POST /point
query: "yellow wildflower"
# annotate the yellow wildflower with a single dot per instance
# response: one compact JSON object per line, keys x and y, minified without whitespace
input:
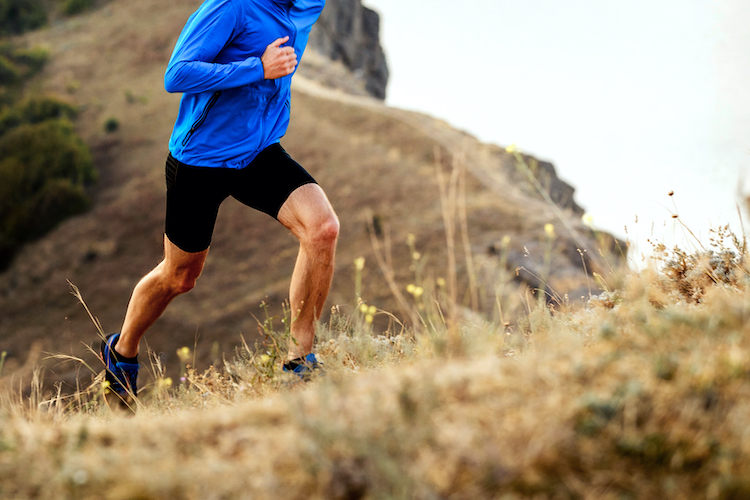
{"x":184,"y":354}
{"x":359,"y":263}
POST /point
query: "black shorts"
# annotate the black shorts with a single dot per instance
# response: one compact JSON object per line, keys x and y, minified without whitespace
{"x":195,"y":193}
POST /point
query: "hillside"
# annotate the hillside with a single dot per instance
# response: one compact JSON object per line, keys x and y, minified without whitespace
{"x":642,"y":394}
{"x":376,"y":163}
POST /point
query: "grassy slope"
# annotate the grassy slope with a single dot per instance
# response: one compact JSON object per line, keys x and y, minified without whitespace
{"x":371,"y":159}
{"x":642,"y":397}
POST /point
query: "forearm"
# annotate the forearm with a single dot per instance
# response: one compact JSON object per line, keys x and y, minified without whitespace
{"x":199,"y":76}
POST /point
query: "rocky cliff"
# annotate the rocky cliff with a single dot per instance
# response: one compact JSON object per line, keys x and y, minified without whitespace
{"x":349,"y":32}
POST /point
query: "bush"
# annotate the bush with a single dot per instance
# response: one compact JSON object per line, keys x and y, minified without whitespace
{"x":32,"y":59}
{"x":39,"y":109}
{"x":43,"y":171}
{"x":35,"y":110}
{"x":16,"y":66}
{"x":20,"y":16}
{"x":111,"y":125}
{"x":10,"y":74}
{"x":73,"y":7}
{"x":44,"y":165}
{"x":57,"y":200}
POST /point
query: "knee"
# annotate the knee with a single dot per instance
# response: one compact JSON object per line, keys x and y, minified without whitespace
{"x":326,"y":232}
{"x":180,"y":283}
{"x":184,"y":285}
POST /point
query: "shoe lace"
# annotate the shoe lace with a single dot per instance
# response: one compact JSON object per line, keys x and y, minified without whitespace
{"x":128,"y":372}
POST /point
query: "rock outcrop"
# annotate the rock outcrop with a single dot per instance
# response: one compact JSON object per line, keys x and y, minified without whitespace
{"x":349,"y":32}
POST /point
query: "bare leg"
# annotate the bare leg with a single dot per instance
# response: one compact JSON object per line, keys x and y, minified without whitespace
{"x":175,"y":275}
{"x":309,"y":216}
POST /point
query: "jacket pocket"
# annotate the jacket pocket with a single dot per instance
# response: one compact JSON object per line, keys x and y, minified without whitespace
{"x":210,"y":104}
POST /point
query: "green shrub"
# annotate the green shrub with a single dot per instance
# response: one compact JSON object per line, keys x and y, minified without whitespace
{"x":16,"y":66}
{"x":35,"y":110}
{"x":73,"y":7}
{"x":9,"y":118}
{"x":10,"y":74}
{"x":111,"y":125}
{"x":32,"y":59}
{"x":55,"y":201}
{"x":43,"y":170}
{"x":39,"y":109}
{"x":44,"y":165}
{"x":20,"y":16}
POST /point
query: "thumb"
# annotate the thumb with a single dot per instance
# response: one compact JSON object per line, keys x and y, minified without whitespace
{"x":279,"y":41}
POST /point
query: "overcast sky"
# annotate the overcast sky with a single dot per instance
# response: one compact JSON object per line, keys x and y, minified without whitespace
{"x":629,"y":100}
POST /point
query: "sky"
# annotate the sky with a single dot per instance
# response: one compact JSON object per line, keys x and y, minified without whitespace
{"x":629,"y":100}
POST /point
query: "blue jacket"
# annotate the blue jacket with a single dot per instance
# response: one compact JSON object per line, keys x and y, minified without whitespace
{"x":229,"y":112}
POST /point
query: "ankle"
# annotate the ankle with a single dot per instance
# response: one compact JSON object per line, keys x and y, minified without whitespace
{"x":125,"y":351}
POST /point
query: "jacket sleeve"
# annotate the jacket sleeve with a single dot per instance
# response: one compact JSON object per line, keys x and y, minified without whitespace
{"x":191,"y":68}
{"x":306,"y":13}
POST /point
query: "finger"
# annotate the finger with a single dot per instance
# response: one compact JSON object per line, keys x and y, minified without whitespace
{"x":279,"y":41}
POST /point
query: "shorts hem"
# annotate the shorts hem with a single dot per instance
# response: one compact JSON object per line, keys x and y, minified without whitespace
{"x":306,"y":182}
{"x":187,"y":248}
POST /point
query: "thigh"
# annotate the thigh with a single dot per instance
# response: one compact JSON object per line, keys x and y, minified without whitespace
{"x":194,"y":195}
{"x":307,"y":210}
{"x":266,"y":183}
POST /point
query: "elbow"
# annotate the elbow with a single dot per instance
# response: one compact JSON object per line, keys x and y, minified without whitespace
{"x":171,"y":80}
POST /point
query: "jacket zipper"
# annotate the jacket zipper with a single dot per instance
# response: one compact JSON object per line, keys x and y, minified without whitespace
{"x":293,"y":40}
{"x":202,"y":117}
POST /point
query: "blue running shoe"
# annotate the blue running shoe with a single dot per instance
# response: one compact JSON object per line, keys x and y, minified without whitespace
{"x":304,"y":367}
{"x":121,"y":375}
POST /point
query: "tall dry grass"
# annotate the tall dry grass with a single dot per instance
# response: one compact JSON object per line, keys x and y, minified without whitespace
{"x":643,"y":392}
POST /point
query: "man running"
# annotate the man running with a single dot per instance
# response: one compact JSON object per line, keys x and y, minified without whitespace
{"x":234,"y":62}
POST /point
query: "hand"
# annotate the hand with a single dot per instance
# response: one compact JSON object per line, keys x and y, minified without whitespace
{"x":278,"y":61}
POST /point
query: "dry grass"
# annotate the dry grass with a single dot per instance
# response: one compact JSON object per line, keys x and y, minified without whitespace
{"x":642,"y":393}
